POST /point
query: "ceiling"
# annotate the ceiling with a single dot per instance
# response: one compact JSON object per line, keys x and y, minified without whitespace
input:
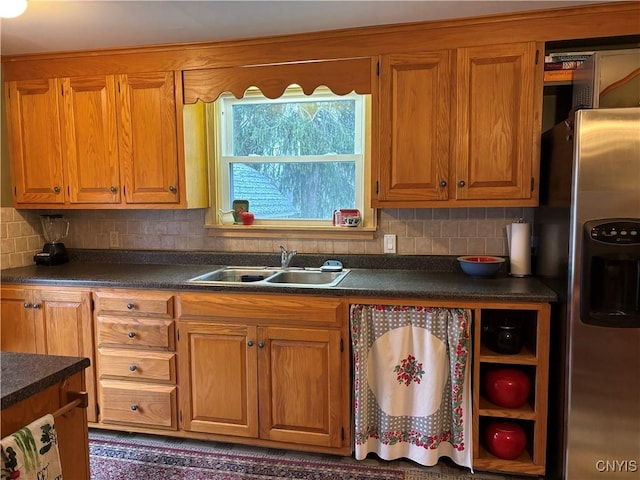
{"x":64,"y":25}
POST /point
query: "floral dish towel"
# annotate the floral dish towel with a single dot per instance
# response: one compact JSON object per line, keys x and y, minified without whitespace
{"x":412,"y":395}
{"x":32,"y":452}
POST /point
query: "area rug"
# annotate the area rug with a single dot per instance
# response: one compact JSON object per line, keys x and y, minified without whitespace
{"x":121,"y":456}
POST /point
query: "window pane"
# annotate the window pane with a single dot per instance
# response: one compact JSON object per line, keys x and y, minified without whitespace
{"x":295,"y":190}
{"x":295,"y":128}
{"x":296,"y":157}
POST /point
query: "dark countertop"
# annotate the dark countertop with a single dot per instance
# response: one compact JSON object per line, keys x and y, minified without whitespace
{"x":25,"y":374}
{"x":371,"y":275}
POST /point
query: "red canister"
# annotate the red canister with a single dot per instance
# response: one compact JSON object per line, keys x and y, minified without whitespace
{"x":505,"y":440}
{"x":507,"y":387}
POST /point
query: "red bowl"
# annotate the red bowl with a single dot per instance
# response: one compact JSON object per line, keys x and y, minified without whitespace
{"x":507,"y":387}
{"x":505,"y":440}
{"x":481,"y":266}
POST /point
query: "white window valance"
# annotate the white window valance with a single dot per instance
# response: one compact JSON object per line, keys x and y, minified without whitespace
{"x":340,"y":76}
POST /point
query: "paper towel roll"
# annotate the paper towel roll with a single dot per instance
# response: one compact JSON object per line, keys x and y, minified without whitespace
{"x":520,"y":249}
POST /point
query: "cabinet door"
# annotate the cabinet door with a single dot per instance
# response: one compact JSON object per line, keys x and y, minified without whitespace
{"x":414,"y":127}
{"x":18,"y":322}
{"x":494,"y":136}
{"x":148,"y":137}
{"x":218,"y":378}
{"x":89,"y":130}
{"x":34,"y":141}
{"x":67,"y":324}
{"x":300,"y":386}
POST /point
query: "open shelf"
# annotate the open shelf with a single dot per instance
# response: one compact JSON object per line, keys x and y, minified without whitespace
{"x":488,"y":409}
{"x":533,"y":359}
{"x":523,"y":464}
{"x":525,"y":357}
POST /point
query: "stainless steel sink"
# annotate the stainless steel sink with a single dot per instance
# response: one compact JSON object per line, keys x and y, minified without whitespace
{"x":235,"y":275}
{"x":307,"y":277}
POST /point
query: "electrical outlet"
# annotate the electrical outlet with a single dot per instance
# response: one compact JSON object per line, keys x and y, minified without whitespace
{"x":389,"y":244}
{"x":114,"y":241}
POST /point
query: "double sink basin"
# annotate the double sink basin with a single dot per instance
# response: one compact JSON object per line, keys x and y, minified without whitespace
{"x":288,"y":277}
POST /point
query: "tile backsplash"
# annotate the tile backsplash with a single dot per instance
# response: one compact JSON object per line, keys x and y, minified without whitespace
{"x":20,"y":237}
{"x":438,"y":231}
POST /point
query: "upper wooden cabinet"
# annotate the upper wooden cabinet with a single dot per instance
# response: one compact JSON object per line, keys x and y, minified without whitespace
{"x":148,"y":142}
{"x":495,"y":139}
{"x":102,"y":141}
{"x":466,"y":138}
{"x":34,"y":142}
{"x":88,"y":118}
{"x":415,"y":104}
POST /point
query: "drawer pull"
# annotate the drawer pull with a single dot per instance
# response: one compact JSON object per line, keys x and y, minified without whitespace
{"x":130,"y":306}
{"x":133,"y":368}
{"x":131,"y":334}
{"x":134,"y":407}
{"x":260,"y":344}
{"x":36,"y":305}
{"x":250,"y":343}
{"x":27,"y":305}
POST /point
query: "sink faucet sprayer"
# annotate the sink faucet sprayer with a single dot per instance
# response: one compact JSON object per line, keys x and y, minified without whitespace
{"x":286,"y":256}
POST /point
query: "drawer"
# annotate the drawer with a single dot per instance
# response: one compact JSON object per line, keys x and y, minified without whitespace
{"x":138,"y":403}
{"x":133,"y":303}
{"x":135,"y":332}
{"x":137,"y":365}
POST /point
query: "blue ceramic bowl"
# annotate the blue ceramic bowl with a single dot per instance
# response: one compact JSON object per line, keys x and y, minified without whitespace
{"x":481,"y":266}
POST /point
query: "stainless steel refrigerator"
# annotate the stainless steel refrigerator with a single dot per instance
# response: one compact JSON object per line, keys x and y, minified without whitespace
{"x":600,"y":435}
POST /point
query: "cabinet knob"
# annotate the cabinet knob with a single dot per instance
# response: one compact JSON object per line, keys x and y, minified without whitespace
{"x":250,"y":343}
{"x":36,"y":305}
{"x":133,"y":368}
{"x":56,"y":189}
{"x":443,"y":183}
{"x":260,"y":344}
{"x":131,"y":334}
{"x":130,"y":306}
{"x":172,"y":189}
{"x":27,"y":305}
{"x":134,"y":407}
{"x":461,"y":183}
{"x":113,"y":189}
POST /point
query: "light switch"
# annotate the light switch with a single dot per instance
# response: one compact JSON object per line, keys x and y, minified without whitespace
{"x":389,"y":244}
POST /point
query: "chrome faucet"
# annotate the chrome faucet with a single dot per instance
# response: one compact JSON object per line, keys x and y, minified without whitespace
{"x":286,"y":256}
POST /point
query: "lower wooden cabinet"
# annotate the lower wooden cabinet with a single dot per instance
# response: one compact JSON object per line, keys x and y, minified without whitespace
{"x":219,"y":378}
{"x":49,"y":320}
{"x":279,"y":373}
{"x":136,"y":359}
{"x":263,"y":369}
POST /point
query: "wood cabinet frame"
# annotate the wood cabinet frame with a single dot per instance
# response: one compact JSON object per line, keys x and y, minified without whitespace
{"x":586,"y":21}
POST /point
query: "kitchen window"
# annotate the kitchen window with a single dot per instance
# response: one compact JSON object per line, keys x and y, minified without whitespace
{"x":295,"y":158}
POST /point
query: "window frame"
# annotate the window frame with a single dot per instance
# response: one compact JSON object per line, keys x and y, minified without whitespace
{"x":217,"y":162}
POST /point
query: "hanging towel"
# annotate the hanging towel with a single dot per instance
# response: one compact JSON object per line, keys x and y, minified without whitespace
{"x":412,"y":396}
{"x":32,"y":452}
